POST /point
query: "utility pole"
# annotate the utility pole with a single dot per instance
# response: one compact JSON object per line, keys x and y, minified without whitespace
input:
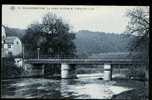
{"x":58,"y":53}
{"x":23,"y":52}
{"x":38,"y":53}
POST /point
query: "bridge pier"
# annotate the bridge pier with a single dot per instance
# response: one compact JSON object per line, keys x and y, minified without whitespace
{"x":107,"y":72}
{"x":67,"y":71}
{"x":43,"y":69}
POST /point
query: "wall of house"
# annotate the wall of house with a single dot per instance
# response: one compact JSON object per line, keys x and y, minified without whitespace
{"x":17,"y":47}
{"x":14,"y":50}
{"x":3,"y":34}
{"x":3,"y":48}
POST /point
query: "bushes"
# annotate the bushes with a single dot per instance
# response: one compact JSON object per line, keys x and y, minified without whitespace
{"x":9,"y":69}
{"x":136,"y":72}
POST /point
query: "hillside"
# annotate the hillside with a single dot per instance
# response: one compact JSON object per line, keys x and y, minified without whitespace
{"x":89,"y":43}
{"x":15,"y":32}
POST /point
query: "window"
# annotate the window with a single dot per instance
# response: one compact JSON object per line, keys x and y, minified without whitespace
{"x":10,"y":53}
{"x":9,"y":45}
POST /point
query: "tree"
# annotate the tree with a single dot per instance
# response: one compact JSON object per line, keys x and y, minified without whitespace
{"x":52,"y":36}
{"x":139,"y":26}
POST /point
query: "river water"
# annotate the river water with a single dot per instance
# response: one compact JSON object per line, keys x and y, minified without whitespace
{"x":82,"y":88}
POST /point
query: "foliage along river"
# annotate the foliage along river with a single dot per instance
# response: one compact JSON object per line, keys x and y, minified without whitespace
{"x":82,"y":88}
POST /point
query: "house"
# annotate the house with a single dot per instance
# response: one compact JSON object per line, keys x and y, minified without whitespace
{"x":14,"y":45}
{"x":19,"y":62}
{"x":3,"y":34}
{"x":11,"y":45}
{"x":3,"y":45}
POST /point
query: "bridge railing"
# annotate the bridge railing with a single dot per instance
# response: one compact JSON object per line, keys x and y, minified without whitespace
{"x":35,"y":56}
{"x":83,"y":61}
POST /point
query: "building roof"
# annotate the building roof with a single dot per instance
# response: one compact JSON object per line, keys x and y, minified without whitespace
{"x":10,"y":39}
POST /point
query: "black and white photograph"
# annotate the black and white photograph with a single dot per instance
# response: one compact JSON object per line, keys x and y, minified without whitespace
{"x":75,"y":52}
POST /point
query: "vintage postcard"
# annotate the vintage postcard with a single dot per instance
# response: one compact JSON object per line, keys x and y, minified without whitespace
{"x":75,"y":52}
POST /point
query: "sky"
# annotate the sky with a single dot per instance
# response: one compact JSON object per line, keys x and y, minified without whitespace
{"x":93,"y":18}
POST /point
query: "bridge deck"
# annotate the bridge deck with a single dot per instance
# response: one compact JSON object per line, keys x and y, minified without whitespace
{"x":83,"y":61}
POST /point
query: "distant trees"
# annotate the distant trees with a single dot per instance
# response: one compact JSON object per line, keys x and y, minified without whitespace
{"x":52,"y":36}
{"x":139,"y":25}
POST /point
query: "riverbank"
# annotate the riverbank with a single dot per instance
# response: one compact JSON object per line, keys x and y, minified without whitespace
{"x":136,"y":94}
{"x":139,"y":91}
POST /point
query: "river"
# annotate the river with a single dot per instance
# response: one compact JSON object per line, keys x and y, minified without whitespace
{"x":82,"y":88}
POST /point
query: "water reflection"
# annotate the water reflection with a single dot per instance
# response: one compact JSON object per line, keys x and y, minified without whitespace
{"x":69,"y":88}
{"x":82,"y":88}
